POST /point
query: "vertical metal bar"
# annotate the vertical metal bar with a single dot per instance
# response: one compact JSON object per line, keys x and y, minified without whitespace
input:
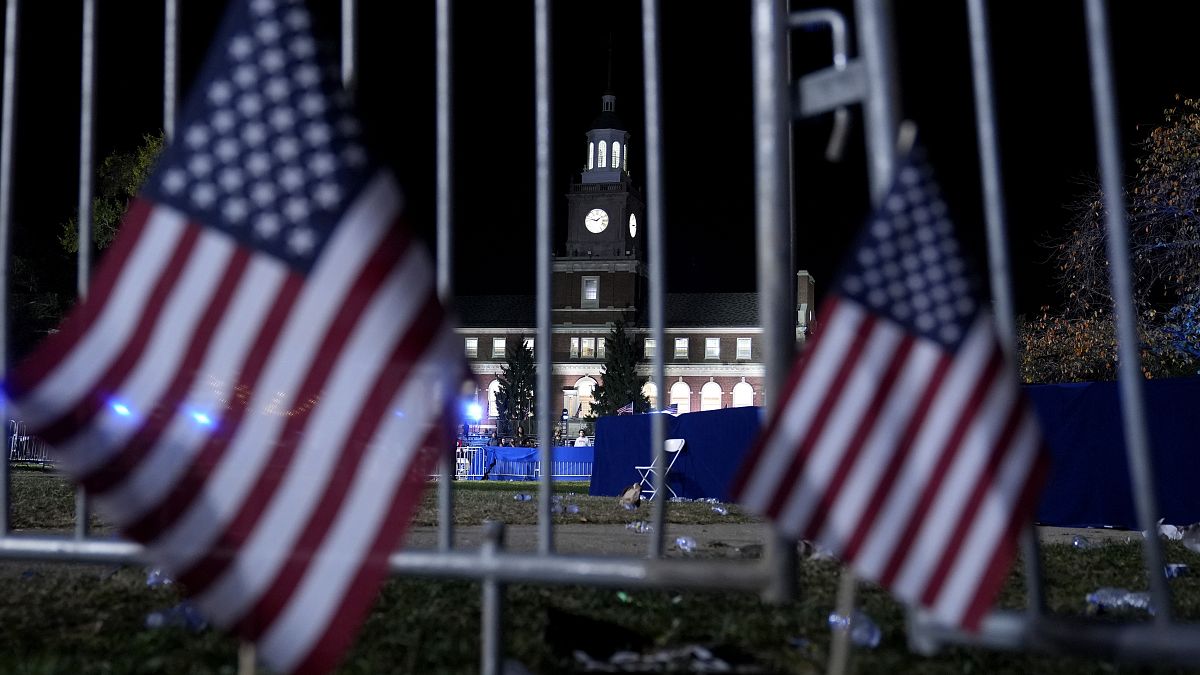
{"x":656,"y":240}
{"x":7,"y":116}
{"x":545,"y":252}
{"x":349,"y":44}
{"x":880,"y":109}
{"x":1129,"y":375}
{"x":87,"y":90}
{"x":491,"y":652}
{"x":785,"y":28}
{"x":772,"y":120}
{"x":445,"y":224}
{"x":170,"y":66}
{"x":998,"y":259}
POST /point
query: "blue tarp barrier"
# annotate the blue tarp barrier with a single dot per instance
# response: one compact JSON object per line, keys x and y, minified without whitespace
{"x":1088,"y":484}
{"x":567,"y":463}
{"x":716,"y":440}
{"x":1089,"y":479}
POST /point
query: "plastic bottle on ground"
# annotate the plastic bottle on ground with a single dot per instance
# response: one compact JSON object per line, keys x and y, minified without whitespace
{"x":863,"y":631}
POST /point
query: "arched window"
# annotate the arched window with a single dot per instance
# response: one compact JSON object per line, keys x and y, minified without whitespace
{"x":600,"y":155}
{"x":616,"y":154}
{"x":710,"y":396}
{"x":681,"y":395}
{"x":651,"y":393}
{"x":591,"y":154}
{"x":584,"y":386}
{"x":493,"y":388}
{"x":626,"y":149}
{"x":743,"y":394}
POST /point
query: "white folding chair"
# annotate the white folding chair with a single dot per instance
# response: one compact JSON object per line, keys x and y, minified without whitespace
{"x":462,"y":462}
{"x":673,"y":447}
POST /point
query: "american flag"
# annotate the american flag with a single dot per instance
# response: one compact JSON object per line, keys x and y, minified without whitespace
{"x":626,"y":409}
{"x":672,"y":409}
{"x":902,"y":442}
{"x":246,"y":390}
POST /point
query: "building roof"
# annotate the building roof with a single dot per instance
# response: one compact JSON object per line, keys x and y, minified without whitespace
{"x":495,"y":311}
{"x":711,"y":309}
{"x":684,"y":310}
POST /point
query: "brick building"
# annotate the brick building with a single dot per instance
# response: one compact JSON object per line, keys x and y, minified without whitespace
{"x":713,"y":358}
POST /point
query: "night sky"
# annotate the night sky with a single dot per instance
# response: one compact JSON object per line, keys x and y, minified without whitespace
{"x":1040,"y":68}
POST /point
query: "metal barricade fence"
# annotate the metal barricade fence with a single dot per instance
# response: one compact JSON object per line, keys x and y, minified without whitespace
{"x":26,"y":449}
{"x":870,"y":80}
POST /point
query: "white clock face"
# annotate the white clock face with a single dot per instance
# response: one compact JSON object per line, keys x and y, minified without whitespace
{"x":596,"y":220}
{"x":632,"y":225}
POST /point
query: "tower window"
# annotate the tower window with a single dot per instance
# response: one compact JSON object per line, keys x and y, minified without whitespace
{"x":600,"y":158}
{"x":587,"y":348}
{"x":743,"y":348}
{"x":712,"y":348}
{"x":616,"y":154}
{"x":599,"y":348}
{"x":472,"y":347}
{"x":574,"y":347}
{"x":591,"y":292}
{"x":591,"y":154}
{"x":681,"y":348}
{"x":648,"y":348}
{"x":497,"y":348}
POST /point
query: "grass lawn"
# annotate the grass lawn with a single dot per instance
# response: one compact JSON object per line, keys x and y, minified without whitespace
{"x":59,"y":618}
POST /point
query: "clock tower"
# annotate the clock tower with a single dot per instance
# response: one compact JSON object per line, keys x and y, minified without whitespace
{"x":600,"y":275}
{"x":605,"y":212}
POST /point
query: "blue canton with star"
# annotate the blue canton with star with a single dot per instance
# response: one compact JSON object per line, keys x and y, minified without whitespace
{"x":906,"y":265}
{"x":268,"y":148}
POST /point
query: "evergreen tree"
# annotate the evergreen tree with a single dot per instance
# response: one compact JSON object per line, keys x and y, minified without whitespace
{"x":118,"y":179}
{"x":514,"y":398}
{"x":621,"y":381}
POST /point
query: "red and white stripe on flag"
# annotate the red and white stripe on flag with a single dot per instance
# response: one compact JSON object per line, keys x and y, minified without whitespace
{"x":914,"y":459}
{"x":257,"y":384}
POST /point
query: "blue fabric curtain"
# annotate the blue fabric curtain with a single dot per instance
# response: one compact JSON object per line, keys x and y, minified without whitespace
{"x":715,"y":442}
{"x":1089,"y":479}
{"x":1088,"y":484}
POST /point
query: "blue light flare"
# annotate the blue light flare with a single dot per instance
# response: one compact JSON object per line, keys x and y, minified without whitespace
{"x":202,"y":418}
{"x":120,"y":408}
{"x":474,"y":411}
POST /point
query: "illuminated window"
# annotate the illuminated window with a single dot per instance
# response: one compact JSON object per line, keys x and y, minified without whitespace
{"x":472,"y":347}
{"x":651,"y":393}
{"x":574,"y":348}
{"x":591,"y":154}
{"x":600,"y":155}
{"x":681,"y":345}
{"x":588,"y":349}
{"x":599,"y":348}
{"x":648,"y":348}
{"x":710,"y":396}
{"x":616,"y":155}
{"x":585,"y":386}
{"x":591,"y":292}
{"x":497,"y":348}
{"x":712,"y":348}
{"x":627,"y":159}
{"x":681,"y":395}
{"x":743,"y":394}
{"x":743,"y":348}
{"x":528,"y":342}
{"x":493,"y":388}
